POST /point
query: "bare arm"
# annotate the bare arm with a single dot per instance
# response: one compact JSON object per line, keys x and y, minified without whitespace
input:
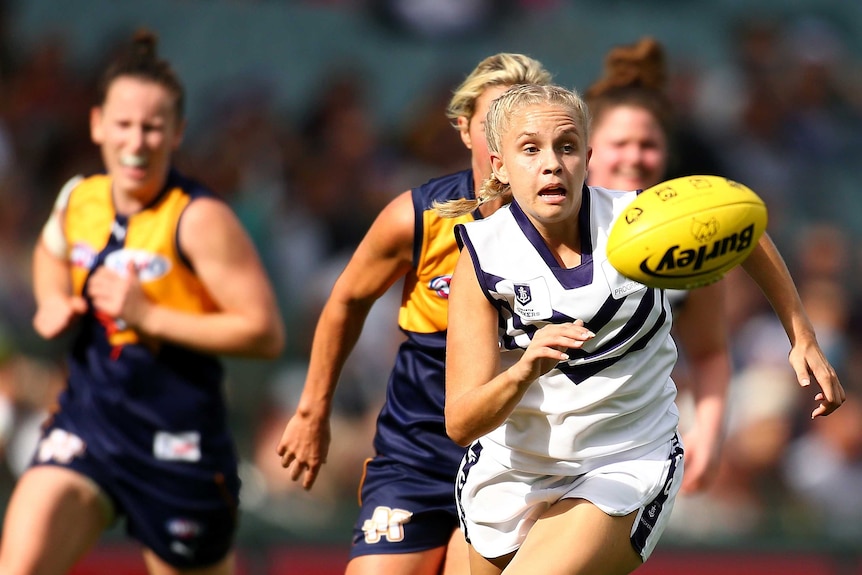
{"x":702,"y":333}
{"x":56,"y":307}
{"x":384,"y":255}
{"x":767,"y":268}
{"x":247,"y":322}
{"x":478,"y":397}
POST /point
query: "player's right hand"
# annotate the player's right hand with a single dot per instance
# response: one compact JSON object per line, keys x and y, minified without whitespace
{"x":304,"y":446}
{"x":57,"y":314}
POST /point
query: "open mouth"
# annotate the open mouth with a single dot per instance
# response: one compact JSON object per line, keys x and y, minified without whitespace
{"x":553,"y":192}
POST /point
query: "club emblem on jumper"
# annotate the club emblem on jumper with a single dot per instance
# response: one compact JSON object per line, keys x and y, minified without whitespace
{"x":531,"y":299}
{"x":440,"y":285}
{"x":522,"y":294}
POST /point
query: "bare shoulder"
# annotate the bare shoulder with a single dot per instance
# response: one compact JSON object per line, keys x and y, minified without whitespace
{"x":210,"y":225}
{"x":393,"y":229}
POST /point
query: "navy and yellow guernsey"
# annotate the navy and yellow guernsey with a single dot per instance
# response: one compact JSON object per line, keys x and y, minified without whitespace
{"x":410,"y":427}
{"x":139,"y":404}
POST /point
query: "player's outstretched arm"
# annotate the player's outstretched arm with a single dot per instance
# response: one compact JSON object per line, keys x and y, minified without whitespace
{"x":766,"y":267}
{"x":384,"y":256}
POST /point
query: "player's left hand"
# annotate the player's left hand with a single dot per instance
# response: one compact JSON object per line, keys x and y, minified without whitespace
{"x":810,"y":364}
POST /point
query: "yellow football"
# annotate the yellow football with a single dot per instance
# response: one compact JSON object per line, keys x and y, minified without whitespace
{"x":686,"y":232}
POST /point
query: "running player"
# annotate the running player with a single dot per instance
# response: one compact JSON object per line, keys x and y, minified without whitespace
{"x":560,"y":386}
{"x":159,"y":278}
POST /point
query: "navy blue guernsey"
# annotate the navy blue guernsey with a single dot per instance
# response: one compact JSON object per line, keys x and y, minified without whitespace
{"x":410,"y":427}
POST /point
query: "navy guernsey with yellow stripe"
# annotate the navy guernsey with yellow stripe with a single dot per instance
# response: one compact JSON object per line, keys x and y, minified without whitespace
{"x":124,"y":392}
{"x":410,"y":427}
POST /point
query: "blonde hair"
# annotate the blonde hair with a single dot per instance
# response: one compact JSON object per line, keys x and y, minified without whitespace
{"x":497,"y":123}
{"x":503,"y":69}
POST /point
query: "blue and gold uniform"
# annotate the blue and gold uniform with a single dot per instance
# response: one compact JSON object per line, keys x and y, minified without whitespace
{"x":407,"y":493}
{"x":146,"y":420}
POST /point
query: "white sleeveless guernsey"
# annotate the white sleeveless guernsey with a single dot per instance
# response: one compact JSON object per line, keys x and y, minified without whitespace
{"x":613,"y":400}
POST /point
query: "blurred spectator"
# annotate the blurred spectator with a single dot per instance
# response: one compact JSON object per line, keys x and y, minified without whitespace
{"x":344,"y":161}
{"x":823,"y":468}
{"x":439,"y":19}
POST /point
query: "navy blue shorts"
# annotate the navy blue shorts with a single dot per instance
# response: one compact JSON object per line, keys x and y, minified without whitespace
{"x":185,"y":513}
{"x":402,"y":510}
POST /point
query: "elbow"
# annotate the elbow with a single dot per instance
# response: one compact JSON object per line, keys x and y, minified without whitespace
{"x":270,"y":341}
{"x":457,"y":431}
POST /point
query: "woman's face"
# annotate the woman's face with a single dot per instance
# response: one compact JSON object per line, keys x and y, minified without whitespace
{"x":137,"y":130}
{"x":629,"y":149}
{"x":544,"y":158}
{"x":473,"y":130}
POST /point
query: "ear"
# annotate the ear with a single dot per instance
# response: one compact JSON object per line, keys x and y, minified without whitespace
{"x":499,"y":168}
{"x":464,"y":130}
{"x":97,"y":132}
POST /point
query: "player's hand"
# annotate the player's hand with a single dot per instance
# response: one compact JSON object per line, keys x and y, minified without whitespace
{"x":702,"y":460}
{"x":810,"y":364}
{"x":56,"y":314}
{"x":548,"y":348}
{"x":304,"y":446}
{"x":118,"y":295}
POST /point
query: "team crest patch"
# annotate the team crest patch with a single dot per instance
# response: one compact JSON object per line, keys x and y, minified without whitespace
{"x":149,"y":266}
{"x":522,"y":294}
{"x":532,"y":299}
{"x":440,"y":285}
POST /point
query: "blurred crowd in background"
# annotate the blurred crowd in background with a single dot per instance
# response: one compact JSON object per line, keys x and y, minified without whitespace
{"x":782,"y":114}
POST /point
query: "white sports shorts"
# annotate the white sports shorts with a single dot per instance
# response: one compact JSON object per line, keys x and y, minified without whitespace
{"x":498,"y":505}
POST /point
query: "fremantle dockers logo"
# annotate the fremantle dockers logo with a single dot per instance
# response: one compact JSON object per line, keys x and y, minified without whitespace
{"x":522,"y":294}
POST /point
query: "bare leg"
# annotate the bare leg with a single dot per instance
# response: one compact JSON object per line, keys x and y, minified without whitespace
{"x":457,"y":555}
{"x":574,"y":537}
{"x":54,"y":517}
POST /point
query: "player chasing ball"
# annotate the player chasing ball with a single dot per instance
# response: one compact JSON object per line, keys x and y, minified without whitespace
{"x":558,"y":367}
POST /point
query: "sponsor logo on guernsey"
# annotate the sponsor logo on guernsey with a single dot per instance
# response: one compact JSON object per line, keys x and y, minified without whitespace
{"x":181,"y":446}
{"x":620,"y":285}
{"x":82,"y":256}
{"x":386,"y":523}
{"x":440,"y":285}
{"x":149,"y":266}
{"x":697,"y":261}
{"x":183,"y":528}
{"x":60,"y":446}
{"x":181,"y":548}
